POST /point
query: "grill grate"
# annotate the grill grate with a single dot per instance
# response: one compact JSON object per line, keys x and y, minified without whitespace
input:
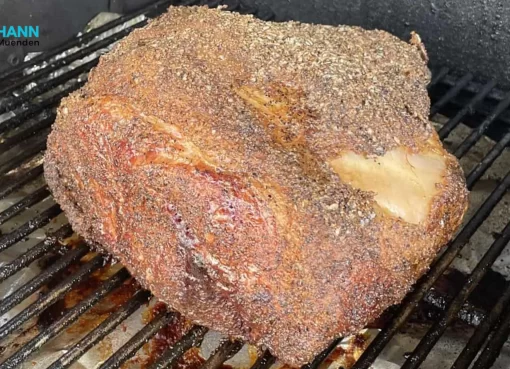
{"x":29,"y":95}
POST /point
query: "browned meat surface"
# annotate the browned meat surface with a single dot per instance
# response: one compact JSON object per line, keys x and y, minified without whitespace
{"x":274,"y":181}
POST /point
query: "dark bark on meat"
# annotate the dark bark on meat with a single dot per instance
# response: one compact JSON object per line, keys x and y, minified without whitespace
{"x":207,"y":153}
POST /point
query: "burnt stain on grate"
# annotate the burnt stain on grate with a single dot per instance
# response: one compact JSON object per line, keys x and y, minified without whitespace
{"x":81,"y":290}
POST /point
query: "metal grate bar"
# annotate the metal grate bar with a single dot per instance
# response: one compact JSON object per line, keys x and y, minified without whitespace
{"x":80,"y":40}
{"x":264,"y":361}
{"x":170,"y":356}
{"x":426,"y":282}
{"x":484,"y":109}
{"x":495,"y":344}
{"x":39,"y":221}
{"x":323,"y":355}
{"x":438,"y":76}
{"x":467,"y":109}
{"x":469,"y":313}
{"x":477,"y":133}
{"x":35,"y":283}
{"x":487,"y":161}
{"x":439,"y":327}
{"x":224,"y":352}
{"x":19,"y":181}
{"x":477,"y":340}
{"x":35,"y":197}
{"x":47,"y":86}
{"x":27,"y":133}
{"x":31,"y":151}
{"x":473,"y":88}
{"x":454,"y":91}
{"x":53,"y":295}
{"x":70,"y":317}
{"x":83,"y":39}
{"x":138,"y":340}
{"x":35,"y":252}
{"x":49,"y":103}
{"x":101,"y":331}
{"x":80,"y":54}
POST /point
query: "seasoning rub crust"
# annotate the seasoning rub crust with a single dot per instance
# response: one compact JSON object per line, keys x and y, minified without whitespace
{"x":277,"y":182}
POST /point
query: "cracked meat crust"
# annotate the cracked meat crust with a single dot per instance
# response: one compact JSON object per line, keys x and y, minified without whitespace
{"x":227,"y":161}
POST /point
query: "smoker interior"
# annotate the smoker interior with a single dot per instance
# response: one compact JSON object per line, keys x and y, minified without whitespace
{"x":29,"y":95}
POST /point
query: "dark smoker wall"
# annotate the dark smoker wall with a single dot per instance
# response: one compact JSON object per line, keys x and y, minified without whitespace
{"x":470,"y":35}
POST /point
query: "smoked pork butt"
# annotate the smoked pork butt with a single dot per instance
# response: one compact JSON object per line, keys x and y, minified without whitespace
{"x":277,"y":182}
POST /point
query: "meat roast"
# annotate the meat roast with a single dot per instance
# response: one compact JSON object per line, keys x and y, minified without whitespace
{"x":277,"y":182}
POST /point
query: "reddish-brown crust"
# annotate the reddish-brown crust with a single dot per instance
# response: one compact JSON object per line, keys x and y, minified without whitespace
{"x":197,"y":154}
